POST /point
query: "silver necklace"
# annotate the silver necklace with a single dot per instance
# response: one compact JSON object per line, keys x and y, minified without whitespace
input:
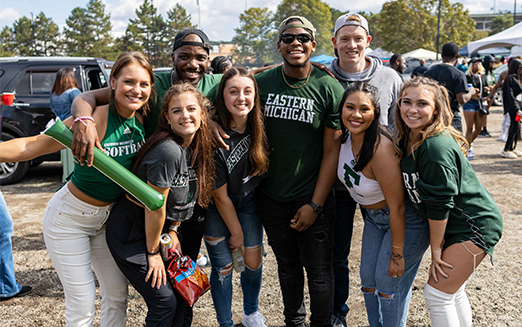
{"x":133,"y":125}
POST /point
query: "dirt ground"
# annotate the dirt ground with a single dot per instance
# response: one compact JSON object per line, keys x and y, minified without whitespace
{"x":495,"y":292}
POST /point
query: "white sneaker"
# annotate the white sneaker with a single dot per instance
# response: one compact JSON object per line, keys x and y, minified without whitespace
{"x":471,"y":154}
{"x":508,"y":154}
{"x":255,"y":319}
{"x":203,"y":261}
{"x":518,"y":153}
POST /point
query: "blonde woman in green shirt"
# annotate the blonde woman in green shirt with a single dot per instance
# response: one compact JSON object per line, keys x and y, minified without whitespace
{"x":465,"y":222}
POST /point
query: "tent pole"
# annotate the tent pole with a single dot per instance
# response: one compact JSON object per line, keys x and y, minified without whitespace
{"x":438,"y":31}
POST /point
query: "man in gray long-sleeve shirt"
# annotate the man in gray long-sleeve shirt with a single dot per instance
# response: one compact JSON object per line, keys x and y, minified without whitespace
{"x":350,"y":40}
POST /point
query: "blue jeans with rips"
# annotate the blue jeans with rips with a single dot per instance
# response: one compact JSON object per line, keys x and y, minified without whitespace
{"x":216,"y":239}
{"x":311,"y":248}
{"x":375,"y":261}
{"x":8,"y":285}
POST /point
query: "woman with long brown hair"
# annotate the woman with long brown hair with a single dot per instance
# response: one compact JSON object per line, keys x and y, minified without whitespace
{"x":65,"y":89}
{"x":232,"y":225}
{"x":177,"y":162}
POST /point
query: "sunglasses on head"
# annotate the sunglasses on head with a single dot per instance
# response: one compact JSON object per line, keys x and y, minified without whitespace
{"x":302,"y":38}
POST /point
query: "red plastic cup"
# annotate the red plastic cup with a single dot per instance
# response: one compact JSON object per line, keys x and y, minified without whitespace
{"x":517,"y":118}
{"x":8,"y":98}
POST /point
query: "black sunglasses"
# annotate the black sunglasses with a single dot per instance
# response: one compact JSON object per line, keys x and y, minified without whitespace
{"x":302,"y":38}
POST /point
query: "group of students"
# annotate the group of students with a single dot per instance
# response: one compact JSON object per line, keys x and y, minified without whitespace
{"x":480,"y":76}
{"x":415,"y":188}
{"x":90,"y":216}
{"x":475,"y":112}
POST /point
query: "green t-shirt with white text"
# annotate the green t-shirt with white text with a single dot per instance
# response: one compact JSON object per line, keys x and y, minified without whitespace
{"x":295,"y":121}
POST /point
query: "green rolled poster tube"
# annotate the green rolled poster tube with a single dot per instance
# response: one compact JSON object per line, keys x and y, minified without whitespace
{"x":148,"y":196}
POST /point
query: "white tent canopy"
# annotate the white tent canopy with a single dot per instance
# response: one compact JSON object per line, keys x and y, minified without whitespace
{"x":421,"y":54}
{"x":378,"y":52}
{"x":516,"y":51}
{"x":507,"y":39}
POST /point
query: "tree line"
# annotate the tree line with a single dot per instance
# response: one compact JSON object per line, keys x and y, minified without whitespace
{"x":400,"y":26}
{"x":88,"y":34}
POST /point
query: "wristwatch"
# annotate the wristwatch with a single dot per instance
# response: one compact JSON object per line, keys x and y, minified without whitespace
{"x":317,"y":208}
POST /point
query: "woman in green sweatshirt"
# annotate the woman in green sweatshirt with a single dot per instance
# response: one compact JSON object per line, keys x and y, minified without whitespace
{"x":465,"y":222}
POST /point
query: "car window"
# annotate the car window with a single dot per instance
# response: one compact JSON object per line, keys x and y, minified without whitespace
{"x":23,"y":86}
{"x":36,"y":83}
{"x":95,"y":79}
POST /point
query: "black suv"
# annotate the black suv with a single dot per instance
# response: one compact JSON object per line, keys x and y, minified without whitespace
{"x":31,"y":79}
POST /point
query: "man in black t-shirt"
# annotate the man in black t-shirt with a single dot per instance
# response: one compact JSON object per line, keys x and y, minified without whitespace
{"x":453,"y":79}
{"x":420,"y":70}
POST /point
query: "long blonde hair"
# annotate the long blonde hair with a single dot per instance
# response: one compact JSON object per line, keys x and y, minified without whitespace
{"x":442,"y":116}
{"x":481,"y":70}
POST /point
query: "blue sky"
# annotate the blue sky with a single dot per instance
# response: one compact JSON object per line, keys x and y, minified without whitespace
{"x":218,"y":17}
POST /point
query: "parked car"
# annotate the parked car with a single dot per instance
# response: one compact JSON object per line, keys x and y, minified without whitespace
{"x":412,"y":63}
{"x":31,"y":79}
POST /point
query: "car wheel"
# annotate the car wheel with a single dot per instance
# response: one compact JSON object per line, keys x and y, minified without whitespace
{"x":12,"y":172}
{"x":497,"y":98}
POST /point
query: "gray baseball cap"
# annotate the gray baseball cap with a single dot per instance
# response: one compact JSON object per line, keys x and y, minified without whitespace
{"x":351,"y":18}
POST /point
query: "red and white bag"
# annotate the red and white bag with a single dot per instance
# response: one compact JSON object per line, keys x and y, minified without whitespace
{"x":187,"y":277}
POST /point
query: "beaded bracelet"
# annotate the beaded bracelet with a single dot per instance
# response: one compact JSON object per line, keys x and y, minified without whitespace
{"x":81,"y":119}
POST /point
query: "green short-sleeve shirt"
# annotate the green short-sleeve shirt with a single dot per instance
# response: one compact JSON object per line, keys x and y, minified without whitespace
{"x":295,"y":121}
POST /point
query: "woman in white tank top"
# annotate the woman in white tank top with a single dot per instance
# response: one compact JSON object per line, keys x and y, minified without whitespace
{"x":394,"y":237}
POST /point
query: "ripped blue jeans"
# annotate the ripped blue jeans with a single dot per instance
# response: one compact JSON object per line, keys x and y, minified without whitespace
{"x":375,"y":260}
{"x":216,"y":239}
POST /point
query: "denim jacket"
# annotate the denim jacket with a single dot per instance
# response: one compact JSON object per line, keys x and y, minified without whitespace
{"x":61,"y":104}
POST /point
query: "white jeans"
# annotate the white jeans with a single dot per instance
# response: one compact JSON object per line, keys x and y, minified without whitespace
{"x":74,"y":234}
